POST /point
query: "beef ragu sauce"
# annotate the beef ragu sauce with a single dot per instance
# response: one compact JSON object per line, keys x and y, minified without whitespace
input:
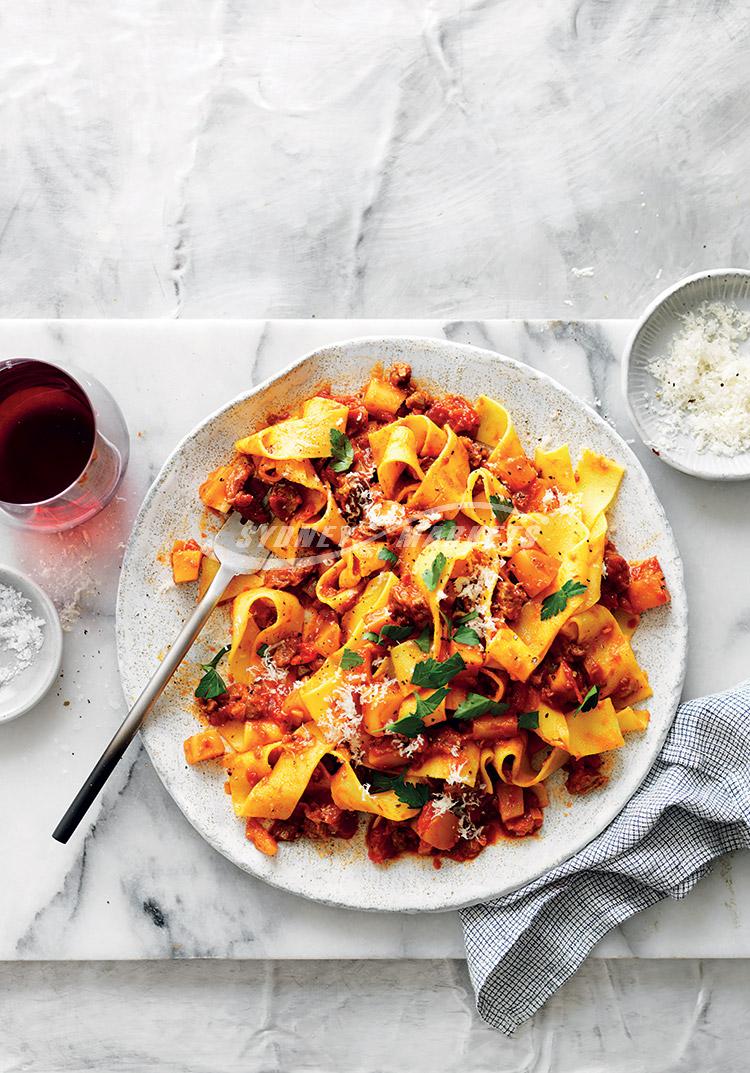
{"x":457,"y":821}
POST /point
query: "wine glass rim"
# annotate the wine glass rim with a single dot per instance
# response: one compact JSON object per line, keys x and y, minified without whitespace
{"x":6,"y":363}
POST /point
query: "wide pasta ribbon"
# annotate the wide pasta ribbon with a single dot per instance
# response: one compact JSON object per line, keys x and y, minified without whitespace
{"x":520,"y":648}
{"x":609,"y":657}
{"x":247,"y":636}
{"x":306,"y":436}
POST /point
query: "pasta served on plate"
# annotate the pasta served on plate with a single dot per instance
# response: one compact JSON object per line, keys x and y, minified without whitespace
{"x":450,"y":626}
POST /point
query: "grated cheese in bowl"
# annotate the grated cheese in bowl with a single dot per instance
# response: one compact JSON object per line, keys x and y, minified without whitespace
{"x":705,"y":380}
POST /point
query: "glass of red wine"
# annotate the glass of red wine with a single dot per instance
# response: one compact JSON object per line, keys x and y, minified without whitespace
{"x":64,"y":445}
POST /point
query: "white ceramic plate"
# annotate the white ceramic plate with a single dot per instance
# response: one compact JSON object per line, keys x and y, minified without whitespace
{"x":150,"y":610}
{"x":651,"y":339}
{"x":21,"y":693}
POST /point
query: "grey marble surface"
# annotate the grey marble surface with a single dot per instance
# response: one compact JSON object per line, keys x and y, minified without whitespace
{"x":366,"y":1017}
{"x":404,"y":158}
{"x":136,"y":881}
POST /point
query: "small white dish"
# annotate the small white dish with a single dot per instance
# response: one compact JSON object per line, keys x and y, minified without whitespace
{"x":29,"y":686}
{"x":651,"y":339}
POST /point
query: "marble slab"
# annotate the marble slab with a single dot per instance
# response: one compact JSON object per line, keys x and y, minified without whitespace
{"x":136,"y":881}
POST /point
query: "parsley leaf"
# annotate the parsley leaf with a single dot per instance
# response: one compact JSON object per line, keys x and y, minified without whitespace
{"x":529,"y":720}
{"x":502,"y":508}
{"x":212,"y":684}
{"x":435,"y":672}
{"x":388,"y":633}
{"x":424,"y":641}
{"x":413,"y":794}
{"x":396,"y":633}
{"x":476,"y":705}
{"x":387,"y":555}
{"x":427,"y":705}
{"x":445,"y":530}
{"x":589,"y":701}
{"x":555,"y":603}
{"x":464,"y":635}
{"x":462,"y":619}
{"x":350,"y":659}
{"x":431,"y":576}
{"x":409,"y":726}
{"x":342,"y":451}
{"x":262,"y":649}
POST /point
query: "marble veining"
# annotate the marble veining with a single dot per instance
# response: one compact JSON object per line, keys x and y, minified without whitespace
{"x":136,"y":881}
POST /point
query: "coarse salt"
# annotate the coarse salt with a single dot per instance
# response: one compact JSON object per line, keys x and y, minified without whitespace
{"x":20,"y":632}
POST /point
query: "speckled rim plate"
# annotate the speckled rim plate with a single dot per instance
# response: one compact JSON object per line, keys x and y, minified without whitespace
{"x":150,"y":609}
{"x":649,"y":339}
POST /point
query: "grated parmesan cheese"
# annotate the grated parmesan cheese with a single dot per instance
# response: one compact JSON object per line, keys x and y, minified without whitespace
{"x":410,"y":746}
{"x":705,"y":380}
{"x":342,"y":723}
{"x":442,"y":804}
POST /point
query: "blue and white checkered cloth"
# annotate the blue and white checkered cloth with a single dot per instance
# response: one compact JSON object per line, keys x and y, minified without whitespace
{"x":693,"y":806}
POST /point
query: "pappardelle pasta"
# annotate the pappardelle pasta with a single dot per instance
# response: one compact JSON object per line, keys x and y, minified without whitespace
{"x":450,"y":626}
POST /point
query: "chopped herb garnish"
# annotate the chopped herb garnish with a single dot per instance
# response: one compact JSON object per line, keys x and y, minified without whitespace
{"x":529,"y":720}
{"x":342,"y":451}
{"x":427,"y":705}
{"x":501,"y":507}
{"x":424,"y":641}
{"x":387,"y":555}
{"x":556,"y":602}
{"x":262,"y":649}
{"x":396,"y":633}
{"x":350,"y":659}
{"x":409,"y":726}
{"x":413,"y":794}
{"x":433,"y":673}
{"x":464,"y":635}
{"x":476,"y":705}
{"x":212,"y":684}
{"x":431,"y":576}
{"x":462,"y":619}
{"x":445,"y":530}
{"x":390,"y":633}
{"x":589,"y":701}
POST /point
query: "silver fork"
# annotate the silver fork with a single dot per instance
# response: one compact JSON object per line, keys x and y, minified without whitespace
{"x":239,"y":551}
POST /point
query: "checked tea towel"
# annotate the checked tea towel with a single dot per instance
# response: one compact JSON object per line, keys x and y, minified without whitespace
{"x":693,"y":806}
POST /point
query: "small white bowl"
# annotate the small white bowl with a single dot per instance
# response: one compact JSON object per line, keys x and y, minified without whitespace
{"x":29,"y":686}
{"x":651,"y":339}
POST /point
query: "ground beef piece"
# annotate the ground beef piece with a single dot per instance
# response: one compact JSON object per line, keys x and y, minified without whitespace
{"x":507,"y":600}
{"x":419,"y":402}
{"x":399,"y":374}
{"x":409,"y":605}
{"x":585,"y":774}
{"x":285,"y":499}
{"x":250,"y":501}
{"x":262,"y":700}
{"x":478,"y":453}
{"x":615,"y":578}
{"x":387,"y":840}
{"x":284,"y":577}
{"x":523,"y":826}
{"x":358,"y":416}
{"x":316,"y":820}
{"x":455,"y":411}
{"x":326,"y":820}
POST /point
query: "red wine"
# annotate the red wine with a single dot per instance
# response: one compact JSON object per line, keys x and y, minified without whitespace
{"x":47,"y":431}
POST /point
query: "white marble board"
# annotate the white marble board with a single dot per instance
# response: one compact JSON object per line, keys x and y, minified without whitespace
{"x":136,"y":881}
